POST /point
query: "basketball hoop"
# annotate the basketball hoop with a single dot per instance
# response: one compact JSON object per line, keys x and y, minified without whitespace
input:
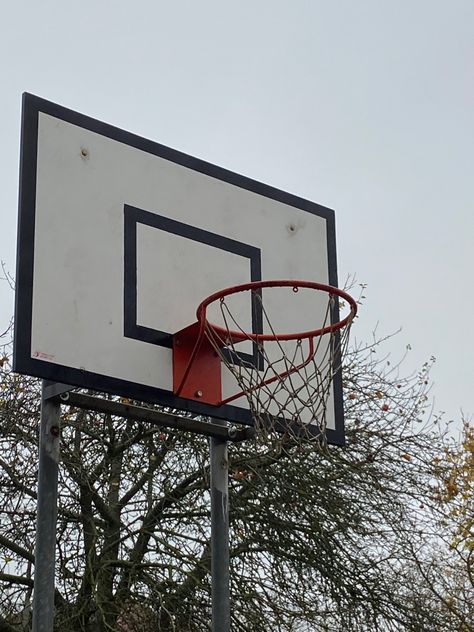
{"x":286,"y":378}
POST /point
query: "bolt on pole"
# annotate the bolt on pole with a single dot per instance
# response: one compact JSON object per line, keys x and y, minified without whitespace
{"x":43,"y":591}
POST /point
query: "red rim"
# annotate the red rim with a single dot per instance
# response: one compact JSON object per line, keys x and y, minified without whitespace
{"x":255,"y":285}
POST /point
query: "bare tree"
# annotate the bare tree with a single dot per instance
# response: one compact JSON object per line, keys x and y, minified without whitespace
{"x":325,"y":539}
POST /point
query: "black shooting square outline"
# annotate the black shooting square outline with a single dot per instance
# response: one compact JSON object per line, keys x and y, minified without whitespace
{"x":134,"y":216}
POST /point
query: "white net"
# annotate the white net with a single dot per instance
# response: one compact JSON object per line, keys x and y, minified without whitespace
{"x":287,"y":382}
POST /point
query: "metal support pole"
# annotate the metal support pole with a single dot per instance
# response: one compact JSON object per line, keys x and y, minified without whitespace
{"x":220,"y":535}
{"x":43,"y":595}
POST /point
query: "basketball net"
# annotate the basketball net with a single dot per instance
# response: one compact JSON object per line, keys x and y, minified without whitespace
{"x":287,"y":383}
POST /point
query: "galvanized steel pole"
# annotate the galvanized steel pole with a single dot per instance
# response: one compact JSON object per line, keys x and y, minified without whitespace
{"x":43,"y":594}
{"x":220,"y":535}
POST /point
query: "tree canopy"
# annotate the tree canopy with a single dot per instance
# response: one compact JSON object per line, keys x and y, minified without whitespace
{"x":358,"y":538}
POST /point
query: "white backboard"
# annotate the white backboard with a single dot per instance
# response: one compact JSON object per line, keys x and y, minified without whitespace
{"x":121,"y":238}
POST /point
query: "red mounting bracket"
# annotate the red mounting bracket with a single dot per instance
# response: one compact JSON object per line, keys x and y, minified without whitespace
{"x":196,"y":367}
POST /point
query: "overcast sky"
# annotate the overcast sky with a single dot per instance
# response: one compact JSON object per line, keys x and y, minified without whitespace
{"x":366,"y":107}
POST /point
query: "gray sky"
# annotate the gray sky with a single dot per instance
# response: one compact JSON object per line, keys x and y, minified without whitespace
{"x":365,"y":107}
